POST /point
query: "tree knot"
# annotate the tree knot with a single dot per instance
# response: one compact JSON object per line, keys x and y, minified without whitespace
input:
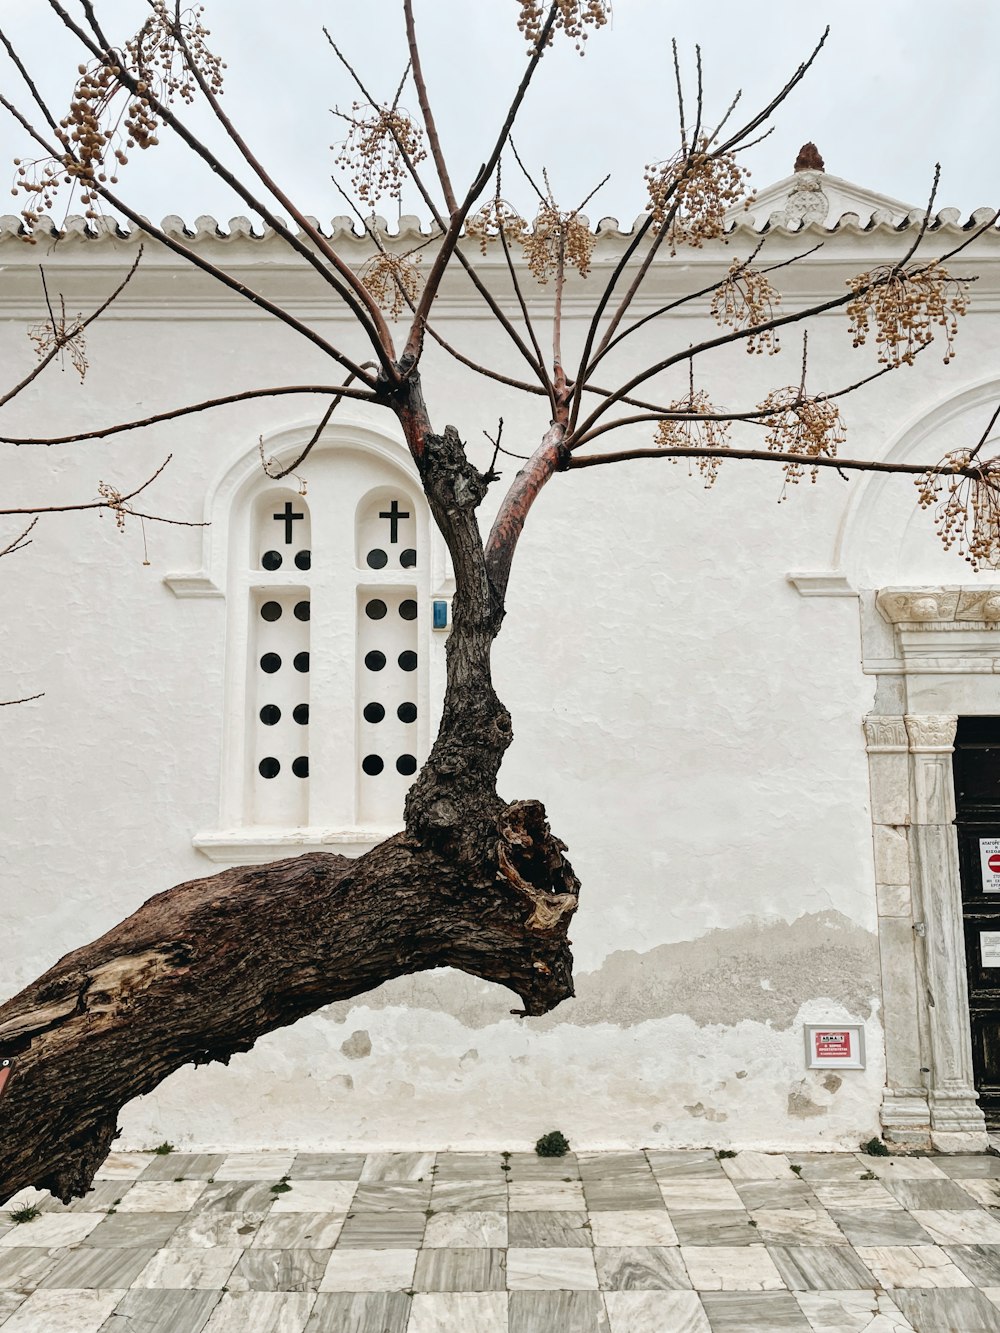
{"x":531,"y":861}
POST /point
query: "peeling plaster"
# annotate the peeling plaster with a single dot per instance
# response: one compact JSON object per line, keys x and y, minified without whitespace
{"x":358,"y":1045}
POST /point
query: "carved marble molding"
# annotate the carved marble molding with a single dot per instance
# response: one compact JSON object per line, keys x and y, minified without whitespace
{"x":931,"y":733}
{"x":885,"y":734}
{"x":941,"y":608}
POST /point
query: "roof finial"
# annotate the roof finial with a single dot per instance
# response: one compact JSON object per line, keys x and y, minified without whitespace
{"x":809,"y":159}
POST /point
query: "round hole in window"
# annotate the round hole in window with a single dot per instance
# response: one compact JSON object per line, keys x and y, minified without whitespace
{"x":408,"y":609}
{"x":271,"y":560}
{"x":301,"y":714}
{"x":270,"y":663}
{"x":374,"y":661}
{"x":269,"y":768}
{"x":406,"y":764}
{"x":300,"y":766}
{"x":301,"y":661}
{"x":301,"y":610}
{"x":303,"y":559}
{"x":271,"y":611}
{"x":407,"y":712}
{"x":377,"y":559}
{"x":374,"y":712}
{"x":372,"y":764}
{"x":408,"y":558}
{"x":408,"y":661}
{"x":375,"y":609}
{"x":270,"y":714}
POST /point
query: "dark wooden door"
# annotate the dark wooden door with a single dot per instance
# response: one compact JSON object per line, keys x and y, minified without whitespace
{"x":977,"y":798}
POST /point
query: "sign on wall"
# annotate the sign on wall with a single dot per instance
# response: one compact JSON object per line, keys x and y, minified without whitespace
{"x":989,"y":857}
{"x":989,"y":947}
{"x":835,"y":1046}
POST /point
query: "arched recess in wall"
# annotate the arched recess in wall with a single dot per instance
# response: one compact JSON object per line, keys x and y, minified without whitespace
{"x":332,"y":662}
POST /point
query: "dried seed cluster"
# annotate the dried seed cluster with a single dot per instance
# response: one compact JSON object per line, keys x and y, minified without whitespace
{"x":493,"y":218}
{"x":905,"y":305}
{"x":556,"y":237}
{"x":393,"y":280}
{"x":966,"y":508}
{"x":798,"y":424}
{"x":374,"y":153}
{"x":573,"y":17}
{"x":698,"y":431}
{"x":67,"y":335}
{"x":107,"y":118}
{"x":115,"y":501}
{"x":745,"y":299}
{"x":692,"y":192}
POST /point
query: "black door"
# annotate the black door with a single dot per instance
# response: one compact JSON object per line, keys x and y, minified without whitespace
{"x":977,"y":798}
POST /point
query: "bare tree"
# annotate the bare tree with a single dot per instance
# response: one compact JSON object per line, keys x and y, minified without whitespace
{"x":473,"y":881}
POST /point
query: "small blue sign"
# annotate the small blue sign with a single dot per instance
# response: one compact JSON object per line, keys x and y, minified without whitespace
{"x":441,"y":615}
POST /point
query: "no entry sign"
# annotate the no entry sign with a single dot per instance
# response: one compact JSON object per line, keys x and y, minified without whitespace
{"x":989,"y":858}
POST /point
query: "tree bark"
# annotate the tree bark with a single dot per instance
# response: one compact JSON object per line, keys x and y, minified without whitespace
{"x":202,"y":970}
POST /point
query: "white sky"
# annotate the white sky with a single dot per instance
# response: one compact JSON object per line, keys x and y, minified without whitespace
{"x":901,"y":84}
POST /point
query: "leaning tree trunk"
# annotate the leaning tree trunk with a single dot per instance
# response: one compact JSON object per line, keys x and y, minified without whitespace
{"x":204,"y":969}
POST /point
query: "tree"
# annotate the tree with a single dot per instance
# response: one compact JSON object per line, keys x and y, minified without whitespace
{"x":473,"y":881}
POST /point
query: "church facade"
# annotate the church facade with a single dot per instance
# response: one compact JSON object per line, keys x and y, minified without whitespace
{"x":765,"y":719}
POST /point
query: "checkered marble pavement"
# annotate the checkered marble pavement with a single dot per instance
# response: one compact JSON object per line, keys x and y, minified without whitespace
{"x":610,"y":1242}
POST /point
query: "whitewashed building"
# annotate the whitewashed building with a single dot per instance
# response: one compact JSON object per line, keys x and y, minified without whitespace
{"x":743,"y":716}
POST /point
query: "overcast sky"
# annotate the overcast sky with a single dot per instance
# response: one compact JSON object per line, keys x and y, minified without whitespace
{"x":900,"y":85}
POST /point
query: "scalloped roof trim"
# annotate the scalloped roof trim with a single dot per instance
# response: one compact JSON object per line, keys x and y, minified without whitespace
{"x":409,"y":228}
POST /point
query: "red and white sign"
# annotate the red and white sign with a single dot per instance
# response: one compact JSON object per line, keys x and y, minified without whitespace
{"x":833,"y":1045}
{"x":840,"y":1047}
{"x":989,"y":858}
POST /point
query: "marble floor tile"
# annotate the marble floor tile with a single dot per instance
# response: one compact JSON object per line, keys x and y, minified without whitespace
{"x":697,"y":1165}
{"x":775,"y":1193}
{"x":267,"y":1166}
{"x":612,"y":1165}
{"x":318,"y":1196}
{"x":457,"y":1166}
{"x":162,"y":1312}
{"x":478,"y":1269}
{"x":40,"y":1199}
{"x":820,"y":1267}
{"x":656,"y":1312}
{"x":551,"y":1270}
{"x":386,"y":1196}
{"x":185,"y":1166}
{"x":855,"y":1196}
{"x":461,"y":1312}
{"x":63,"y":1312}
{"x":202,"y":1229}
{"x":195,"y":1270}
{"x":541,"y":1196}
{"x":897,"y":1266}
{"x":526,"y":1167}
{"x":623,"y":1193}
{"x":360,"y":1312}
{"x":9,"y":1301}
{"x":327,"y":1166}
{"x":852,"y":1312}
{"x":98,"y":1270}
{"x":906,"y":1168}
{"x":279,"y":1270}
{"x":397,"y":1166}
{"x":230,"y":1196}
{"x":162,"y":1196}
{"x":124,"y":1165}
{"x":640,"y":1268}
{"x":298,"y":1231}
{"x":979,"y":1262}
{"x":24,"y":1267}
{"x":871,"y":1227}
{"x":958,"y":1228}
{"x":965,"y":1311}
{"x":52,"y":1229}
{"x":466,"y":1229}
{"x":565,"y":1311}
{"x":757,"y":1166}
{"x":797,"y":1226}
{"x":545,"y":1230}
{"x":468,"y":1195}
{"x":102,"y":1196}
{"x":984,"y":1190}
{"x":135,"y":1231}
{"x":754,"y":1312}
{"x":369,"y":1270}
{"x":637,"y":1227}
{"x":698,"y":1195}
{"x":731,"y":1268}
{"x":938,"y":1194}
{"x":716,"y":1226}
{"x":993,"y":1293}
{"x":261,"y":1312}
{"x":383,"y":1231}
{"x":830,"y":1168}
{"x":983,"y":1166}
